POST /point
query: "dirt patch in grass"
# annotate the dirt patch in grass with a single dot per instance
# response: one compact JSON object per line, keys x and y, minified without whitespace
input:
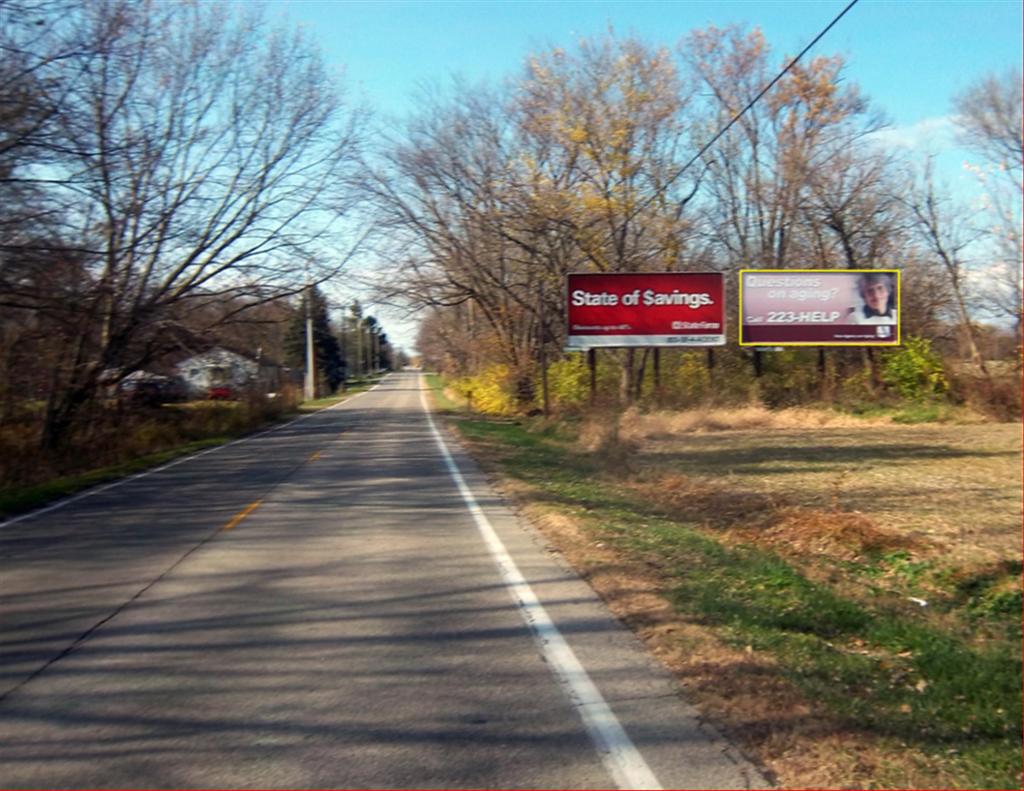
{"x":766,"y":518}
{"x":942,"y":489}
{"x":869,"y":520}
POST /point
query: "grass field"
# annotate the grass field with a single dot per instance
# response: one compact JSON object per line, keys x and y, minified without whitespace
{"x":845,"y":600}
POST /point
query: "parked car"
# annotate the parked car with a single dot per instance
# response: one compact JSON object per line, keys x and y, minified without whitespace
{"x":147,"y":389}
{"x":145,"y":394}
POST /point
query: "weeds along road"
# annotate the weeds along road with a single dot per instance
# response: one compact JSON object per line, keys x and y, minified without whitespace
{"x":335,"y":603}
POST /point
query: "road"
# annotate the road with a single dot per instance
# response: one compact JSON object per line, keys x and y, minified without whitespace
{"x":340,"y":602}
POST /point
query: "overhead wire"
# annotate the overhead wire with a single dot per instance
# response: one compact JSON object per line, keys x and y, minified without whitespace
{"x":754,"y":101}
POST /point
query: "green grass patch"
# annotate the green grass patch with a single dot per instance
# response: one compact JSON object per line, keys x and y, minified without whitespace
{"x":442,"y":402}
{"x":27,"y":498}
{"x":913,"y":414}
{"x":881,"y":669}
{"x":910,"y":413}
{"x":327,"y":401}
{"x":943,"y":679}
{"x":353,"y":387}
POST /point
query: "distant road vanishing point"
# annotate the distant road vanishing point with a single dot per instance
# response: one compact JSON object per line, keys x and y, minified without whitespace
{"x":339,"y":602}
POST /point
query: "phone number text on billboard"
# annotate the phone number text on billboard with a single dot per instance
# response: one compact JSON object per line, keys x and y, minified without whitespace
{"x":819,"y":307}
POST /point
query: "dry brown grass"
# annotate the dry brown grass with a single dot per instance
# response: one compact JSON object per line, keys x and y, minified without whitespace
{"x":741,"y":691}
{"x":658,"y":425}
{"x":819,"y":489}
{"x":944,"y":489}
{"x":936,"y":488}
{"x":111,"y":434}
{"x":766,"y":519}
{"x":636,"y":426}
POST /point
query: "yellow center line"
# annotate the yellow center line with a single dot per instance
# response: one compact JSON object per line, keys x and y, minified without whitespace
{"x":242,"y":514}
{"x":253,"y":506}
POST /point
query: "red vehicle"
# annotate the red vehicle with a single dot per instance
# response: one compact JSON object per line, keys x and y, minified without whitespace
{"x":220,"y":393}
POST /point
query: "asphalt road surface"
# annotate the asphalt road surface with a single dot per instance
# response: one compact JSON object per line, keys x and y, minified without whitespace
{"x":340,"y":602}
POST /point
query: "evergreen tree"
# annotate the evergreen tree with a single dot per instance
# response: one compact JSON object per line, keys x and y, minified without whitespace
{"x":353,"y":331}
{"x":329,"y":360}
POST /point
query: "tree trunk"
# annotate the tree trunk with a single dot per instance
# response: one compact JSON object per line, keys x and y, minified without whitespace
{"x":639,"y":379}
{"x":871,"y":364}
{"x":972,"y":344}
{"x":592,"y":365}
{"x":64,"y":401}
{"x":61,"y":411}
{"x":657,"y":377}
{"x":626,"y":379}
{"x":823,"y":376}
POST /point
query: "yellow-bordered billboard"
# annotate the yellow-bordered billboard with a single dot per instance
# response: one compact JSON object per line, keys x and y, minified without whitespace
{"x":819,"y":307}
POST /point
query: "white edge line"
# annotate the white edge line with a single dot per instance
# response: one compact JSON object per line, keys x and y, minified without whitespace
{"x":620,"y":756}
{"x":106,"y":487}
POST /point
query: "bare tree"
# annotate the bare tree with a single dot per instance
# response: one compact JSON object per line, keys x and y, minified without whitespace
{"x":204,"y":158}
{"x":613,"y":112}
{"x":760,"y":173}
{"x":443,"y":197}
{"x":768,"y":201}
{"x":571,"y":166}
{"x":850,"y":194}
{"x":37,"y":46}
{"x":989,"y":117}
{"x":605,"y":127}
{"x":948,"y":233}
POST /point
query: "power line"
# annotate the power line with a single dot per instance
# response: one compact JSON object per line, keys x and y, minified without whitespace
{"x":765,"y":90}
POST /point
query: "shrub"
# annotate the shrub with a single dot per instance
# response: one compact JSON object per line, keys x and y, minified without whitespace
{"x":791,"y":378}
{"x":488,"y":391}
{"x":915,"y":371}
{"x":569,"y":382}
{"x":693,"y":380}
{"x":997,"y":397}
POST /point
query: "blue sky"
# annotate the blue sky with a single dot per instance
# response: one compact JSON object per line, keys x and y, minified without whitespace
{"x":908,"y":56}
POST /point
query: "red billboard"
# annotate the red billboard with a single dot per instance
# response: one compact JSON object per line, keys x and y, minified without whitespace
{"x":819,"y":307}
{"x":645,"y":309}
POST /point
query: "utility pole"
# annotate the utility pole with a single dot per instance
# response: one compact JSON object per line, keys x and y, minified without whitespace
{"x":368,"y":329}
{"x":310,"y":385}
{"x":372,"y":343}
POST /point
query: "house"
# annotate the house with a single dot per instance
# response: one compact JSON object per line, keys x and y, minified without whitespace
{"x":218,"y":369}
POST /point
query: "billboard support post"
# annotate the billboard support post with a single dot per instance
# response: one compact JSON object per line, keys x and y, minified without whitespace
{"x":657,"y":375}
{"x":592,"y":365}
{"x":823,"y":375}
{"x":627,"y":381}
{"x":642,"y":310}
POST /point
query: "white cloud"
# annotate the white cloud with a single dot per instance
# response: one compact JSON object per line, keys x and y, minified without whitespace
{"x":929,"y":135}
